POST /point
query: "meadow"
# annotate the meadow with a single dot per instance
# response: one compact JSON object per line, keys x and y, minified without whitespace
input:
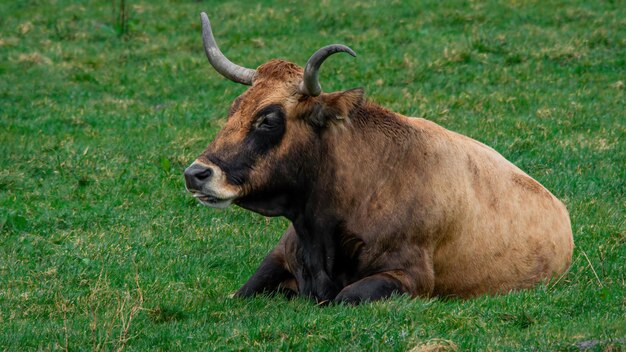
{"x":101,"y":247}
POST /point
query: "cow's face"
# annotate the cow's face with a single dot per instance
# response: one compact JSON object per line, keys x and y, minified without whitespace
{"x":268,"y":139}
{"x":271,"y":132}
{"x":256,"y":137}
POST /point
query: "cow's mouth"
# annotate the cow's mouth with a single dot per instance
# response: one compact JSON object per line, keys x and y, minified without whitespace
{"x":212,"y":201}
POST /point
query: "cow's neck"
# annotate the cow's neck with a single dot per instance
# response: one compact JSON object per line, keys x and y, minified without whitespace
{"x":348,"y":161}
{"x":366,"y":157}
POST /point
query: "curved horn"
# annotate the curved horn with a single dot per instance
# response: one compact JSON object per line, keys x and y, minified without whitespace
{"x":310,"y":84}
{"x":221,"y":64}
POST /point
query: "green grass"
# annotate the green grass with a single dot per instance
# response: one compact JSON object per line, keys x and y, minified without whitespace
{"x":97,"y":127}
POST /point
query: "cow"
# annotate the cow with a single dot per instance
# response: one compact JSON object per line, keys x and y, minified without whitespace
{"x":379,"y":204}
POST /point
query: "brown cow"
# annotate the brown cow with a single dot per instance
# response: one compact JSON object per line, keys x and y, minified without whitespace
{"x":379,"y":203}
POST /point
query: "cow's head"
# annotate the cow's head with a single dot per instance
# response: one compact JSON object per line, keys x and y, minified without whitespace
{"x":272,"y":130}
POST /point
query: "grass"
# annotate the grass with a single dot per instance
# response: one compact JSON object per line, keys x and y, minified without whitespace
{"x":101,"y":248}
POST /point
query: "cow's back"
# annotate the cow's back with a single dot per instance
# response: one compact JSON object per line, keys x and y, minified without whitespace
{"x":510,"y":232}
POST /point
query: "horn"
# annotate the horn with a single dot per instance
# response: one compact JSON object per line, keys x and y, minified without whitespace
{"x":221,"y":64}
{"x":310,"y":84}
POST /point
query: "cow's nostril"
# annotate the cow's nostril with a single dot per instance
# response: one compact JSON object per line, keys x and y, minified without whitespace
{"x":196,"y":176}
{"x":203,"y":175}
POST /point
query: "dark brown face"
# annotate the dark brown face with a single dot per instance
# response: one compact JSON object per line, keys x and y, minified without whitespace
{"x":252,"y":152}
{"x":256,"y":157}
{"x":268,"y":143}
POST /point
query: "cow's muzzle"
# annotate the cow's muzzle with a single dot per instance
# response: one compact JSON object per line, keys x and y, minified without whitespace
{"x":196,"y":176}
{"x":209,"y":185}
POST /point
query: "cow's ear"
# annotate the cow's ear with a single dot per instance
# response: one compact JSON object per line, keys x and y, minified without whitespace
{"x":335,"y":106}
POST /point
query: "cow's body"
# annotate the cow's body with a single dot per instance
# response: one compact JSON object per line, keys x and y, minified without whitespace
{"x":469,"y":223}
{"x":379,"y":203}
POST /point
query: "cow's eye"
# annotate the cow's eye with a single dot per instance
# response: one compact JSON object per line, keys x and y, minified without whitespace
{"x":267,"y":130}
{"x":269,"y":121}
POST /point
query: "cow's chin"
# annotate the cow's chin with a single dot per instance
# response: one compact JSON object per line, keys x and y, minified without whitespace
{"x":266,"y":204}
{"x":212,"y":201}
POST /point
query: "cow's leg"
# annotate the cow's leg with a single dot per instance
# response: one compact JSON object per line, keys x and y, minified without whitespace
{"x":371,"y":288}
{"x":384,"y":284}
{"x":271,"y":276}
